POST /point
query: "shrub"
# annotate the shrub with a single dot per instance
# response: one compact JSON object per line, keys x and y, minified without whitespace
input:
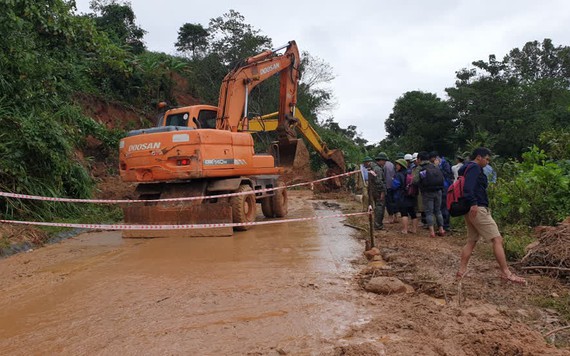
{"x":536,"y":194}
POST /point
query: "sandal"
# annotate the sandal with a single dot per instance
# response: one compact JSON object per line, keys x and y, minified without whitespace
{"x":513,"y":278}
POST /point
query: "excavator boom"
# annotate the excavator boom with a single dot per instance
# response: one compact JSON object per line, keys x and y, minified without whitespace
{"x":239,"y":82}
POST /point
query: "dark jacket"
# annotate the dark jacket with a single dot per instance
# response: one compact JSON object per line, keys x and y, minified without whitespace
{"x":447,"y":173}
{"x":475,"y":186}
{"x":418,"y":180}
{"x":399,"y":184}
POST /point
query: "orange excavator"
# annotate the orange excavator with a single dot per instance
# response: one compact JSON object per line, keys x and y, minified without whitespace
{"x":197,"y":151}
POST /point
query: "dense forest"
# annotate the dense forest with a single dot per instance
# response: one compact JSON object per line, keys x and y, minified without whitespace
{"x":53,"y":56}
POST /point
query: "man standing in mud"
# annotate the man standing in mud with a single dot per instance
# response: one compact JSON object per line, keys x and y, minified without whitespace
{"x":479,"y":222}
{"x":377,"y":186}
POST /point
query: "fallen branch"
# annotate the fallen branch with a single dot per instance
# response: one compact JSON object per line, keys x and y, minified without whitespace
{"x":547,"y":267}
{"x":556,"y":330}
{"x":355,"y":227}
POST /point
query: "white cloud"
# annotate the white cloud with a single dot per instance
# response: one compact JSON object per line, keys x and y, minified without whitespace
{"x":379,"y":49}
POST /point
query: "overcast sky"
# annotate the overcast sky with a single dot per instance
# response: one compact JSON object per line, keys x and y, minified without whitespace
{"x":378,"y":49}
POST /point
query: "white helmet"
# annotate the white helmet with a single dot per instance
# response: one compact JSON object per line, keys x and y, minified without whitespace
{"x":415,"y":155}
{"x":408,"y":157}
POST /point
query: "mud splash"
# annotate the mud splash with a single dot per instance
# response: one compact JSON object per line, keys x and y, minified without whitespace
{"x":276,"y":288}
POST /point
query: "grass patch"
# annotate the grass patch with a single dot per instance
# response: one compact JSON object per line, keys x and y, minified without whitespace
{"x":515,"y":240}
{"x":560,"y":304}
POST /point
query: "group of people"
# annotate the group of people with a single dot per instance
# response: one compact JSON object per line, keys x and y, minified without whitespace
{"x":412,"y":183}
{"x":415,"y":186}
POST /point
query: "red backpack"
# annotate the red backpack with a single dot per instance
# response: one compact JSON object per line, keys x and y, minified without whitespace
{"x":456,"y":203}
{"x":410,"y":189}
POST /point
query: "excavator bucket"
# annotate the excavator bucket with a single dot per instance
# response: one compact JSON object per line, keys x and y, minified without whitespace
{"x":336,"y":164}
{"x":291,"y":154}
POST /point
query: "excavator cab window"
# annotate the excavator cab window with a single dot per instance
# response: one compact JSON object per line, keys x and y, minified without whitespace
{"x":180,"y":119}
{"x":207,"y":119}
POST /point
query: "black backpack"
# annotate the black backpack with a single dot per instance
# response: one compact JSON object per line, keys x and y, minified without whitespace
{"x":432,"y":179}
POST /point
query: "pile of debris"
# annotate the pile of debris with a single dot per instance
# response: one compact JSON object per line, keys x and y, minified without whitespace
{"x":551,"y":253}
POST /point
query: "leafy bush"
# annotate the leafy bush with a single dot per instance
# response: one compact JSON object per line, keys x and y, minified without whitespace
{"x":515,"y":241}
{"x":537,"y":192}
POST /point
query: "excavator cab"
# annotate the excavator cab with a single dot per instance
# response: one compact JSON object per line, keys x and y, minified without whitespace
{"x":196,"y":117}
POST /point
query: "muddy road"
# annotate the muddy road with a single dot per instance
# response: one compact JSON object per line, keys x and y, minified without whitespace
{"x":276,"y":289}
{"x":283,"y":289}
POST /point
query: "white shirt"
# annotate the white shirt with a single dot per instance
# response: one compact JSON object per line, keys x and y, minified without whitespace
{"x":455,"y":170}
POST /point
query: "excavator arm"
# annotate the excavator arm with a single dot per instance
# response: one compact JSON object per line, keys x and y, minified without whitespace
{"x":238,"y":83}
{"x":334,"y":158}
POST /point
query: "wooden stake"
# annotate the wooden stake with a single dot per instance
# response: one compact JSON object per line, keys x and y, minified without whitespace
{"x":370,"y":215}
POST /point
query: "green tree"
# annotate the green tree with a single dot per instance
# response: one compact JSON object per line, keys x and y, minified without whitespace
{"x":515,"y":99}
{"x":232,"y":40}
{"x":48,"y":55}
{"x":422,"y":121}
{"x":117,"y":19}
{"x":192,"y":39}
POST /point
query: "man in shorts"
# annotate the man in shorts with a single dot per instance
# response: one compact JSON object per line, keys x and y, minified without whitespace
{"x":480,"y":223}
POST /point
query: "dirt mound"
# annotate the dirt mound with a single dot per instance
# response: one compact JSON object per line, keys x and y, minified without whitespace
{"x":300,"y":169}
{"x":550,"y":254}
{"x":112,"y":187}
{"x":113,"y":114}
{"x":479,"y":315}
{"x":180,"y":91}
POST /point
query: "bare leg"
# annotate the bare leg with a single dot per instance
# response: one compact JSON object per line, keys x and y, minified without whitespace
{"x":415,"y":225}
{"x":499,"y":252}
{"x":465,"y":256}
{"x":405,"y":224}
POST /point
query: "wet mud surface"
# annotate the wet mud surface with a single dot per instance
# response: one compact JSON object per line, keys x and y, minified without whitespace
{"x":283,"y":289}
{"x":276,"y":289}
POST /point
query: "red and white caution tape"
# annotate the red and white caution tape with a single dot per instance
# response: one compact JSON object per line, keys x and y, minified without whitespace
{"x":117,"y":201}
{"x":176,"y":227}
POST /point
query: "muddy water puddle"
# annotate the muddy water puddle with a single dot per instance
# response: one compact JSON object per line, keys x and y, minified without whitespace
{"x":276,"y":288}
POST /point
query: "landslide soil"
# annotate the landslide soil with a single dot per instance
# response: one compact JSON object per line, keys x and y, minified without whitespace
{"x":280,"y":289}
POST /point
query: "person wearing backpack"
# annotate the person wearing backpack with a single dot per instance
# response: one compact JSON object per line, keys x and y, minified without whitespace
{"x":430,"y":180}
{"x":445,"y":168}
{"x":406,"y":196}
{"x":479,"y":222}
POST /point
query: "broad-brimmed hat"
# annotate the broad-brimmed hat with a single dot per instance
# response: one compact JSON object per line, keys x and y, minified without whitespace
{"x":402,"y":162}
{"x":367,"y":159}
{"x":382,"y":156}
